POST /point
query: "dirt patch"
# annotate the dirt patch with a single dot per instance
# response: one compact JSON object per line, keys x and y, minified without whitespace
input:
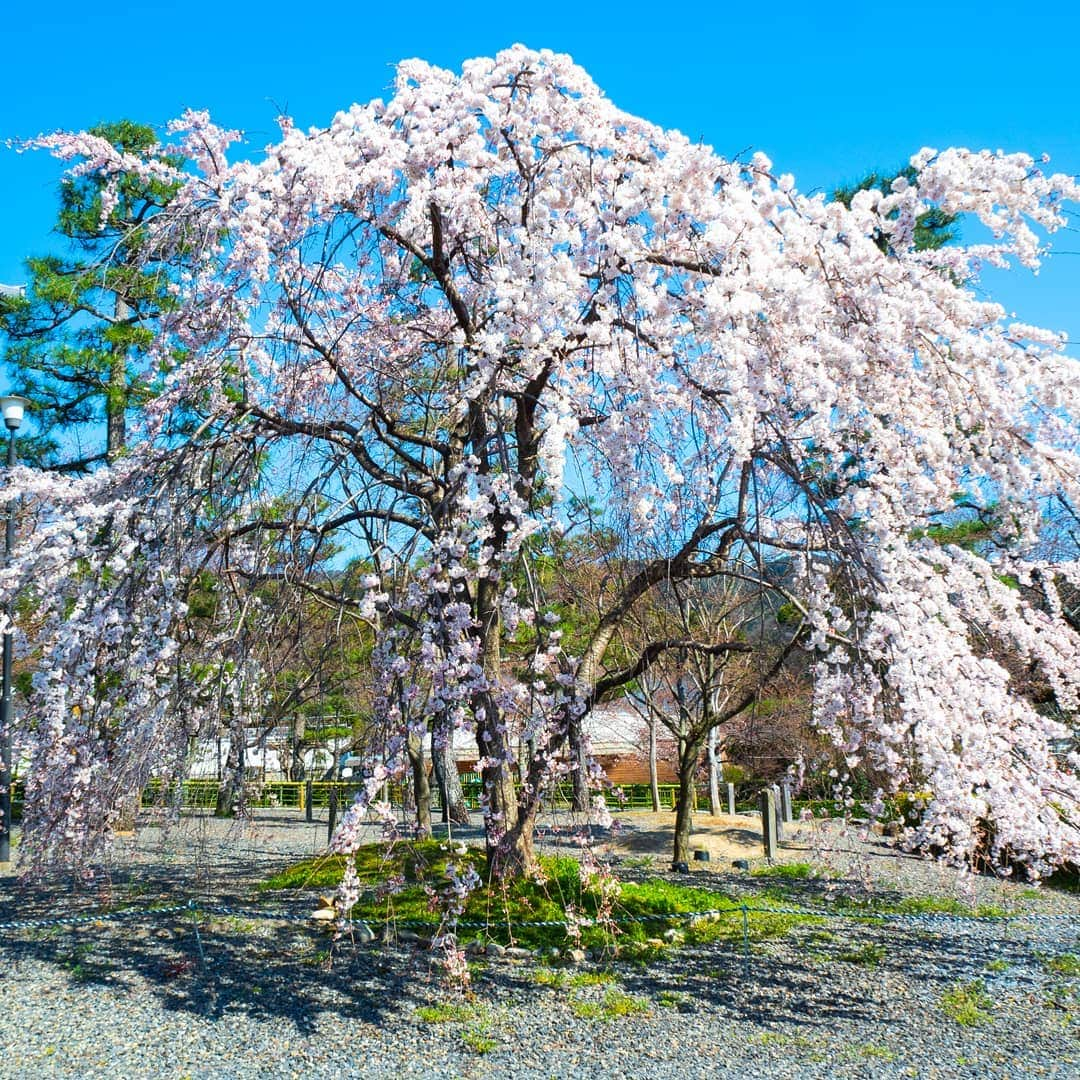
{"x":724,"y":837}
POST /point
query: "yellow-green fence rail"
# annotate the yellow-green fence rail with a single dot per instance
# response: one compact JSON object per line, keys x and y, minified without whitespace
{"x":294,"y":795}
{"x":203,"y":794}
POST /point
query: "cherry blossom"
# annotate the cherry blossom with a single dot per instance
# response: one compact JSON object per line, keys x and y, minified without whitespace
{"x":431,"y":325}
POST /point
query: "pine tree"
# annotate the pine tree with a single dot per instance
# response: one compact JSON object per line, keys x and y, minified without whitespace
{"x":77,"y":340}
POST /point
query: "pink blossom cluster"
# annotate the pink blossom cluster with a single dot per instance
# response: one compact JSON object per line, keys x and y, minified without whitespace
{"x":466,"y":306}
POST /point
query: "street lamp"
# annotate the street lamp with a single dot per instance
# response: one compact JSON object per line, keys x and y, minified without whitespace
{"x":13,"y":409}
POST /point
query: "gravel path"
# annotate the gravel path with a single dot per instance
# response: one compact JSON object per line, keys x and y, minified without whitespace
{"x":134,"y":998}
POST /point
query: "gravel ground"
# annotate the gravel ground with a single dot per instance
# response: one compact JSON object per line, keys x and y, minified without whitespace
{"x":136,"y":998}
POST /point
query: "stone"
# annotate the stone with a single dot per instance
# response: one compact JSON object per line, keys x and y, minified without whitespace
{"x":674,"y":937}
{"x":474,"y":947}
{"x":741,"y":864}
{"x":769,"y":832}
{"x":362,"y":932}
{"x":515,"y":953}
{"x":493,"y":948}
{"x":785,"y":802}
{"x":575,"y":956}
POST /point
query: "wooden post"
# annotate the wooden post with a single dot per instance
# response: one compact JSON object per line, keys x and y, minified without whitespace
{"x":767,"y":803}
{"x":307,"y":801}
{"x":333,"y":814}
{"x":785,"y":800}
{"x":731,"y":799}
{"x":778,"y":812}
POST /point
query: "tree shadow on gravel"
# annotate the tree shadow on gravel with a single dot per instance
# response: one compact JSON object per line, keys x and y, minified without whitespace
{"x":233,"y":968}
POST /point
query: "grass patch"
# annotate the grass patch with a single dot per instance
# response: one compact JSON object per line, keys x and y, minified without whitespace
{"x":476,"y":1035}
{"x":444,"y":1013}
{"x":940,"y":905}
{"x":817,"y":1048}
{"x":673,"y":999}
{"x":867,"y":954}
{"x":614,"y":1004}
{"x":592,"y":978}
{"x":918,"y":905}
{"x":545,"y":976}
{"x":1065,"y":964}
{"x":967,"y":1004}
{"x":876,"y":1053}
{"x":997,"y":966}
{"x":794,"y":871}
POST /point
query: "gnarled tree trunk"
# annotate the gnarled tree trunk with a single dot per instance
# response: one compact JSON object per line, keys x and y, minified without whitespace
{"x":230,"y":794}
{"x":421,"y":786}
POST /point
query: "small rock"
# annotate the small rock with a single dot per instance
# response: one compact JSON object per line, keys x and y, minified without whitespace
{"x":741,"y":864}
{"x":654,"y":943}
{"x":514,"y":953}
{"x":674,"y":937}
{"x":363,"y":933}
{"x":575,"y":956}
{"x":493,"y":948}
{"x":474,"y":947}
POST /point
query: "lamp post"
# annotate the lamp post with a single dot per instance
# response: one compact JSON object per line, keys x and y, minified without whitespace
{"x":13,"y":409}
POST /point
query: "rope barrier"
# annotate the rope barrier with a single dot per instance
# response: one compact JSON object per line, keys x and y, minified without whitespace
{"x":745,"y":910}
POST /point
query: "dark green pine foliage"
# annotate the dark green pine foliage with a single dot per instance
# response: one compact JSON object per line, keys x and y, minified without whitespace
{"x":77,"y":343}
{"x":933,"y":228}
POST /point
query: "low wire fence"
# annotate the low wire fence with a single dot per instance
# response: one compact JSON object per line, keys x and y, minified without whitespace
{"x":203,"y":794}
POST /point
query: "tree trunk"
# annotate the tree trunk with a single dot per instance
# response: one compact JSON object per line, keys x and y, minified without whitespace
{"x":515,"y":855}
{"x":230,"y":795}
{"x":421,"y":786}
{"x":501,"y":824}
{"x":654,"y":785}
{"x":454,"y":808}
{"x":297,"y":770}
{"x":714,"y":775}
{"x":580,"y":765}
{"x":116,"y":392}
{"x":689,"y":752}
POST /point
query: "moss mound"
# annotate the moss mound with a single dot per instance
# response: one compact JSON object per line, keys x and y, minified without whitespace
{"x":620,"y":916}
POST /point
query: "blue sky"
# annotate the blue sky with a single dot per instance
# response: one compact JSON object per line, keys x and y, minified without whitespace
{"x":827,"y":91}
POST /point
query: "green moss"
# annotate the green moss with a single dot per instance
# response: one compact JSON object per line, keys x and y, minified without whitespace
{"x":505,"y":909}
